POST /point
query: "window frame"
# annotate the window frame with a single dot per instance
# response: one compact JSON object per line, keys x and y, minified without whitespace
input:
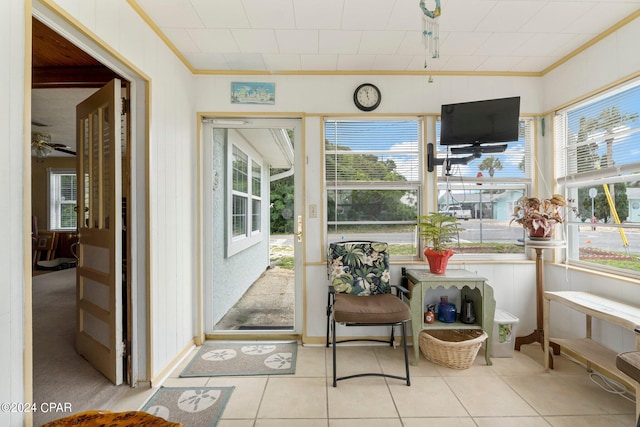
{"x":570,"y":178}
{"x":473,"y":184}
{"x":251,"y":235}
{"x":414,"y":185}
{"x":55,"y":199}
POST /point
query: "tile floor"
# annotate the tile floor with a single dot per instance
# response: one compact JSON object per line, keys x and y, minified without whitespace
{"x":514,"y":391}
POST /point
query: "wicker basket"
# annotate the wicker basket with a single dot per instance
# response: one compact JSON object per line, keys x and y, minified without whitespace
{"x":453,"y":348}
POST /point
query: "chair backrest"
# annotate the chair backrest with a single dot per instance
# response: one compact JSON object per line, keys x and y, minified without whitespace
{"x":359,"y":267}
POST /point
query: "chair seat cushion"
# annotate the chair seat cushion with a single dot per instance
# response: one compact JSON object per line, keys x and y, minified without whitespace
{"x":629,"y":363}
{"x":373,"y":309}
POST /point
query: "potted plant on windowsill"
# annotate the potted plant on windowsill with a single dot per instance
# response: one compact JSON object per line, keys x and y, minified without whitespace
{"x":539,"y":216}
{"x":438,"y":231}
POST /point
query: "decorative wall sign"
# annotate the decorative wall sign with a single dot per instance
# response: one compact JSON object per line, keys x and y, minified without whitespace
{"x":253,"y":93}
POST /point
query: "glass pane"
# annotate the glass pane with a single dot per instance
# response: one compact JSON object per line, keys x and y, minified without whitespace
{"x":240,"y":171}
{"x":94,"y":171}
{"x":239,"y":216}
{"x":485,"y":214}
{"x":256,"y":179}
{"x":607,"y":230}
{"x":255,"y":215}
{"x":106,"y":170}
{"x":375,"y":205}
{"x":400,"y":237}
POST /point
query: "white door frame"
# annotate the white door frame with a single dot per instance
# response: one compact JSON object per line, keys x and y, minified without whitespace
{"x":247,"y":121}
{"x":140,"y":245}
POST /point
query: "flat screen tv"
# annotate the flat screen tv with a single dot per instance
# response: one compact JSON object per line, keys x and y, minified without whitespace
{"x":477,"y":122}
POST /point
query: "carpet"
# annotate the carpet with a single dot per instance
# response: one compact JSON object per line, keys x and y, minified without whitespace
{"x":230,"y":358}
{"x":191,"y":406}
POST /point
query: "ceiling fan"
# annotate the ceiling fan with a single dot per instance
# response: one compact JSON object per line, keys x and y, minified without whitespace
{"x":41,"y":146}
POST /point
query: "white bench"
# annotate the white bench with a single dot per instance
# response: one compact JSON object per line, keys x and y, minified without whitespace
{"x":593,"y":354}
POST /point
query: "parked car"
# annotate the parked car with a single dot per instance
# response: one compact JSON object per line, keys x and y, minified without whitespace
{"x":457,"y":212}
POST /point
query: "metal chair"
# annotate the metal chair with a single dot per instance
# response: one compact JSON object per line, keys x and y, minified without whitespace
{"x":360,"y":295}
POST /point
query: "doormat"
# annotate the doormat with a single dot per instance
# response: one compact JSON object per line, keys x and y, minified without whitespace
{"x":191,"y":406}
{"x":231,"y":358}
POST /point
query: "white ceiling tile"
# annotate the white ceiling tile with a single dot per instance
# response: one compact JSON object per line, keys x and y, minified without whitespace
{"x":172,"y":14}
{"x":282,"y":62}
{"x":508,"y":17}
{"x":270,"y":14}
{"x":499,"y":44}
{"x":214,"y":41}
{"x":405,"y":15}
{"x":318,"y":62}
{"x":601,"y":18}
{"x":355,"y":62}
{"x":463,"y":15}
{"x":412,"y":44}
{"x":463,"y":43}
{"x":207,"y":61}
{"x":555,"y":17}
{"x":339,"y":41}
{"x":255,"y":41}
{"x":534,"y":63}
{"x":297,"y":41}
{"x":318,"y":14}
{"x":238,"y":61}
{"x":182,"y":40}
{"x":366,"y":14}
{"x":380,"y":42}
{"x":498,"y":63}
{"x":464,"y":63}
{"x":540,"y":44}
{"x":391,"y":62}
{"x":221,"y":13}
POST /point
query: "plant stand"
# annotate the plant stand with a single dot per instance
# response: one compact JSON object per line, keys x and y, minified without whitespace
{"x":538,"y":334}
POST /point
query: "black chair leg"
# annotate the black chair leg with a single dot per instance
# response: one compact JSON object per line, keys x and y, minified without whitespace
{"x":406,"y":355}
{"x":333,"y":333}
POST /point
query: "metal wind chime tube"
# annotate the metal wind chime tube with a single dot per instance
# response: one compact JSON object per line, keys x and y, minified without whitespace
{"x":430,"y":32}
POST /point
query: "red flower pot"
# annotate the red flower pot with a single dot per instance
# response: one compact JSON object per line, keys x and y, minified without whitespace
{"x":438,"y":260}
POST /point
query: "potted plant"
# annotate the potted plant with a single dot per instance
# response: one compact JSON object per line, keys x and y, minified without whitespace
{"x":438,"y":230}
{"x":539,"y":216}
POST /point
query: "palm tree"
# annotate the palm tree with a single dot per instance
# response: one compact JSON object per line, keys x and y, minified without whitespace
{"x":490,"y":163}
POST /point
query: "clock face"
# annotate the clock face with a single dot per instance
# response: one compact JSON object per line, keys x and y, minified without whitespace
{"x":367,"y":97}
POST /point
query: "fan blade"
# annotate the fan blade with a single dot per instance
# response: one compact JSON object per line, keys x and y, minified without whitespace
{"x":39,"y":124}
{"x":65,"y":149}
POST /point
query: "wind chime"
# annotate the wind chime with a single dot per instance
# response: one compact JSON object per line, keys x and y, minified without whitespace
{"x":430,"y":33}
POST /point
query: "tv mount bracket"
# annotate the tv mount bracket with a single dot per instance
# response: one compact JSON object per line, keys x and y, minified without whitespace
{"x":475,"y":151}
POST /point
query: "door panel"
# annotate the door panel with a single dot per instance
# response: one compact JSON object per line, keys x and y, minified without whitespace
{"x":99,"y":270}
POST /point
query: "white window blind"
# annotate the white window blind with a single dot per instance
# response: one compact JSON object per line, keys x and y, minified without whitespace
{"x":601,"y":136}
{"x":372,"y":150}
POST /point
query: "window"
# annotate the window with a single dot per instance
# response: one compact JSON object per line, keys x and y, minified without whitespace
{"x":482,"y":193}
{"x":62,"y":199}
{"x":245,"y":228}
{"x":373,"y":172}
{"x":598,"y":166}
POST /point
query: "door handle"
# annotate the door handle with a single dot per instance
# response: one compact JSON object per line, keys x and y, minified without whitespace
{"x":299,"y":233}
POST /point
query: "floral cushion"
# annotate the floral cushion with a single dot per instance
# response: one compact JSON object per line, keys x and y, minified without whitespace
{"x":359,"y":268}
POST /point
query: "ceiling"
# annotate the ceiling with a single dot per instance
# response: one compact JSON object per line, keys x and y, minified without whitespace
{"x":278,"y":36}
{"x":325,"y":36}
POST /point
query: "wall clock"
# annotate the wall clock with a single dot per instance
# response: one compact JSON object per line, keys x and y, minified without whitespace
{"x":367,"y":97}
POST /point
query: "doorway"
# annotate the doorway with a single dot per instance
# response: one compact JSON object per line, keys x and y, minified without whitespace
{"x":85,"y":73}
{"x":252,"y":225}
